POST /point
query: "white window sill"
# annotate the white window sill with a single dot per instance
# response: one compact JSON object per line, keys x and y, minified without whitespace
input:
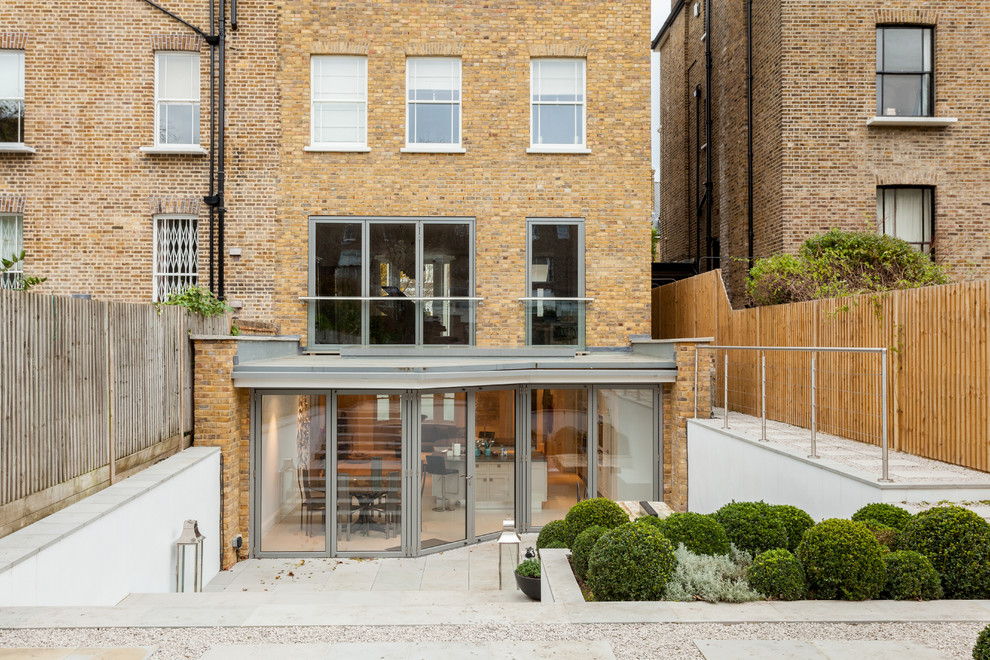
{"x":912,"y":122}
{"x":556,"y":149}
{"x":433,"y":149}
{"x":342,"y":148}
{"x":176,"y":150}
{"x":15,"y":148}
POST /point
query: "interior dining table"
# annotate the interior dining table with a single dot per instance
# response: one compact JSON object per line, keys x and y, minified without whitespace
{"x":358,"y":471}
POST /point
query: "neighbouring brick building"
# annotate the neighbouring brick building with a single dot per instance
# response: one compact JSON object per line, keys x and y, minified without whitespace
{"x":442,"y":208}
{"x":867,"y":115}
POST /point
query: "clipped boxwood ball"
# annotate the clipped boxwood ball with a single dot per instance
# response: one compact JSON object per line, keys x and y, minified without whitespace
{"x":888,"y":514}
{"x":699,"y":533}
{"x":957,"y":543}
{"x":599,"y":511}
{"x":631,"y":562}
{"x":982,"y":649}
{"x":752,"y":526}
{"x":910,"y":576}
{"x":777,"y":574}
{"x":797,"y":522}
{"x":581,"y":548}
{"x":842,"y":560}
{"x":887,"y":536}
{"x":555,"y":532}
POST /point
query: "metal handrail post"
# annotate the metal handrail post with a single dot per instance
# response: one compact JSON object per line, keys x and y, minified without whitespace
{"x":883,"y":412}
{"x":763,"y":397}
{"x":725,"y":393}
{"x":814,"y":408}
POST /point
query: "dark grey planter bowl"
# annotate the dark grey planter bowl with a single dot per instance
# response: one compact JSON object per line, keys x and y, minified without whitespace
{"x":529,"y":586}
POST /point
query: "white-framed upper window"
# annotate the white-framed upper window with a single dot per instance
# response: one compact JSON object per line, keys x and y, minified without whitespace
{"x":177,"y":96}
{"x":557,"y":93}
{"x":433,"y":101}
{"x":11,"y":246}
{"x":176,"y":254}
{"x":339,"y":95}
{"x":12,"y":96}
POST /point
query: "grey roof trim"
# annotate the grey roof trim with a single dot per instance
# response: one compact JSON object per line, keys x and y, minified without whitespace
{"x":675,"y":10}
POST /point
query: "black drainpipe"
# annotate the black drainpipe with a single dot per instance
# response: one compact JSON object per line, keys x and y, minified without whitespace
{"x":708,"y":137}
{"x":698,"y":195}
{"x":749,"y":125}
{"x":221,"y":170}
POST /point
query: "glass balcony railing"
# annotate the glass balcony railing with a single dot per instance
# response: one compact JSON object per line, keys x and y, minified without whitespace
{"x":555,"y":321}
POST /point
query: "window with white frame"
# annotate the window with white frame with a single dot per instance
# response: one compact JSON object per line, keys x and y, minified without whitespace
{"x":12,"y":96}
{"x":176,"y":254}
{"x":558,"y":103}
{"x":433,"y":101}
{"x":11,"y":246}
{"x":177,"y":97}
{"x":907,"y":213}
{"x":339,"y":112}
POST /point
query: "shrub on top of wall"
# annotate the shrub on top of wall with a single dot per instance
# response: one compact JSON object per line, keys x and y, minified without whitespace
{"x":631,"y":562}
{"x":842,"y":559}
{"x":581,"y":548}
{"x":910,"y":576}
{"x":957,"y":542}
{"x":888,"y":514}
{"x":599,"y":511}
{"x":777,"y":574}
{"x":797,"y":522}
{"x":752,"y":526}
{"x":699,"y":533}
{"x":553,"y":532}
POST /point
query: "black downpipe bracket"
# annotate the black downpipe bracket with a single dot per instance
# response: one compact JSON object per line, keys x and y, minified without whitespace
{"x":749,"y":127}
{"x":708,"y":138}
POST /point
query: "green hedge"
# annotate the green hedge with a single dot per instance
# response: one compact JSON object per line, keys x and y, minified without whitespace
{"x":957,"y":543}
{"x":752,"y":526}
{"x":581,"y":549}
{"x":555,"y":533}
{"x":888,"y":514}
{"x":599,"y":511}
{"x":982,"y":649}
{"x":797,"y":522}
{"x":842,"y":559}
{"x":631,"y":562}
{"x":910,"y":576}
{"x":699,"y":533}
{"x":777,"y":574}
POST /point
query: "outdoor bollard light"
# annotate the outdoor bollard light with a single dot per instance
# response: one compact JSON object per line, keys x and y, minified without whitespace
{"x":508,"y":553}
{"x":189,"y":538}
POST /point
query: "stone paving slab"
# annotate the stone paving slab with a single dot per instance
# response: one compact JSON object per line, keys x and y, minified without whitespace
{"x":736,"y":649}
{"x":131,"y":653}
{"x":598,"y":650}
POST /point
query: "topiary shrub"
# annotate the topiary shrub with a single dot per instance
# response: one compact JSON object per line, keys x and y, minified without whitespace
{"x":752,"y":526}
{"x":631,"y":562}
{"x":599,"y":511}
{"x":699,"y":533}
{"x":581,"y":548}
{"x":554,"y":531}
{"x":842,"y":559}
{"x":777,"y":574}
{"x":529,"y":568}
{"x":887,"y":536}
{"x":910,"y":576}
{"x":796,"y":520}
{"x":713,"y":578}
{"x":957,"y":543}
{"x":888,"y":514}
{"x":982,"y":649}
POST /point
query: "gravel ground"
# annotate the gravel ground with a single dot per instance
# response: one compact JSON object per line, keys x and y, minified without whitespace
{"x":666,"y":640}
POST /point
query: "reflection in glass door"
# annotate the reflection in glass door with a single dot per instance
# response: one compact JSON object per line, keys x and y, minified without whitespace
{"x":368,"y":480}
{"x":558,"y":452}
{"x":625,"y":443}
{"x":494,"y":459}
{"x":444,"y":469}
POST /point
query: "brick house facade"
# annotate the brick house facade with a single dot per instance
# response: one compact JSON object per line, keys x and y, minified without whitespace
{"x":820,"y":155}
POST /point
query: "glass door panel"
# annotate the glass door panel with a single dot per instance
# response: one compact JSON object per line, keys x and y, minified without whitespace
{"x":444,"y":454}
{"x":368,"y":480}
{"x":291,"y":468}
{"x":558,"y":452}
{"x":625,"y":449}
{"x":495,"y":460}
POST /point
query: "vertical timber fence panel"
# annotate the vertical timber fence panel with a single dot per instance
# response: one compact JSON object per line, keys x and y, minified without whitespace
{"x":938,"y":376}
{"x":81,"y":381}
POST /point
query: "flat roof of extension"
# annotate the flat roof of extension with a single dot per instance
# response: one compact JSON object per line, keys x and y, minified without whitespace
{"x":462,"y":370}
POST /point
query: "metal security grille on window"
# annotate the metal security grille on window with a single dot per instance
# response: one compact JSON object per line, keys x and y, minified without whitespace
{"x":434,"y":100}
{"x":11,"y":245}
{"x":558,"y":102}
{"x":340,"y":100}
{"x":11,"y":96}
{"x":176,"y":255}
{"x":904,"y":72}
{"x":177,"y":91}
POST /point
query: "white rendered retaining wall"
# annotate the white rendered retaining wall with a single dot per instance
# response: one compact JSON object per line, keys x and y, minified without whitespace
{"x":725,"y":466}
{"x":118,"y":541}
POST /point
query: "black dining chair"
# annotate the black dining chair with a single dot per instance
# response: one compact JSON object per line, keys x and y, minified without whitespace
{"x":314,"y":498}
{"x":437,"y":466}
{"x":346,"y":505}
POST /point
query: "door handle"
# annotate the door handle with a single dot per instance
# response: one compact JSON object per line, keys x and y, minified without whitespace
{"x":467,"y":477}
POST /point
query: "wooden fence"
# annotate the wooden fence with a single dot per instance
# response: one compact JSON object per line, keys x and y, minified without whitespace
{"x":89,"y":391}
{"x":938,"y":372}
